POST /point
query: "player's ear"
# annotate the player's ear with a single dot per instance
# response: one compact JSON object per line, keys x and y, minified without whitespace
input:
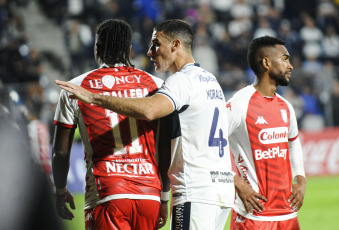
{"x":266,"y":63}
{"x":175,"y":44}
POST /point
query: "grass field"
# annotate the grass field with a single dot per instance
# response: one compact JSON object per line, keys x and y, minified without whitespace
{"x":319,"y":212}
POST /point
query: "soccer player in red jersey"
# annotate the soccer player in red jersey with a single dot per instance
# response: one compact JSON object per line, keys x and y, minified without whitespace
{"x":122,"y":180}
{"x":263,"y":135}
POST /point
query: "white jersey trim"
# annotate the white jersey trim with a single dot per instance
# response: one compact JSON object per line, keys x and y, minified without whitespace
{"x":122,"y":196}
{"x":265,"y":218}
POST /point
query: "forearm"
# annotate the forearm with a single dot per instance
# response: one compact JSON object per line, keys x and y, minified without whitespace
{"x":296,"y":158}
{"x":60,"y":167}
{"x":125,"y":106}
{"x":300,"y":180}
{"x":61,"y":149}
{"x":238,"y":182}
{"x":164,"y":151}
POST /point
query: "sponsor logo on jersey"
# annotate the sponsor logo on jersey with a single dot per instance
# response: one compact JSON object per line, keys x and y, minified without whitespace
{"x":109,"y":81}
{"x":261,"y":121}
{"x":221,"y":177}
{"x":284,"y":115}
{"x":273,"y":135}
{"x":129,"y":168}
{"x":207,"y":78}
{"x":270,"y":153}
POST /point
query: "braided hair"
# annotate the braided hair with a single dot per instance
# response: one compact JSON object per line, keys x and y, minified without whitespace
{"x":114,"y":39}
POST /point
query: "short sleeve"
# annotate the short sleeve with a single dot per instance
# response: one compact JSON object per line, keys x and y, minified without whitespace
{"x":233,"y":116}
{"x":66,"y":112}
{"x":178,"y":89}
{"x":293,"y":129}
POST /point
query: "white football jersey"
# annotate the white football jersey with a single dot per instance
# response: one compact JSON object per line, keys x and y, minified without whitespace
{"x":259,"y":131}
{"x":200,"y":169}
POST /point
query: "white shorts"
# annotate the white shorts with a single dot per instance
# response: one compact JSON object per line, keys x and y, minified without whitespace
{"x":198,"y":216}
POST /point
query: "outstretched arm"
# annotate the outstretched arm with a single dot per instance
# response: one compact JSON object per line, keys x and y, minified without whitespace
{"x":147,"y":108}
{"x":62,"y":144}
{"x":248,"y":195}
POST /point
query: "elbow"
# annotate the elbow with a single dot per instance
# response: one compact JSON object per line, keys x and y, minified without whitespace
{"x":150,"y":115}
{"x":58,"y":154}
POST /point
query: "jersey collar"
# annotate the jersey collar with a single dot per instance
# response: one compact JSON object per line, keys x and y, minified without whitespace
{"x":104,"y":65}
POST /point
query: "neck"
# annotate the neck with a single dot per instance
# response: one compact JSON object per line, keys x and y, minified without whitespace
{"x":180,"y":62}
{"x":265,"y":86}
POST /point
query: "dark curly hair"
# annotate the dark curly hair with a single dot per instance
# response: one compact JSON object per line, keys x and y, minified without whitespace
{"x":114,"y":39}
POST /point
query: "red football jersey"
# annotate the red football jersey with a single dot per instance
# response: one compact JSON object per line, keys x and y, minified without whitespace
{"x":260,"y":129}
{"x":119,"y":151}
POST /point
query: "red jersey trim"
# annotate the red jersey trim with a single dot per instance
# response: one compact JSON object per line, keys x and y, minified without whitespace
{"x":64,"y":125}
{"x":292,"y":139}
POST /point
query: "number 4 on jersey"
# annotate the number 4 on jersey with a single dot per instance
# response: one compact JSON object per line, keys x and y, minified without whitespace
{"x":220,"y":141}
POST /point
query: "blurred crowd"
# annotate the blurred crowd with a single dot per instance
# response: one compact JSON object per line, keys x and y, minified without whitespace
{"x":223,"y":31}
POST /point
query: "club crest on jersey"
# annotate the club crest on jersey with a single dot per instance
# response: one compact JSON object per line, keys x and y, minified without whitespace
{"x":284,"y":115}
{"x":108,"y":81}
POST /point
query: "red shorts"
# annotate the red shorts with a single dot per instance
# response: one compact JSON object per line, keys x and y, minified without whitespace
{"x":238,"y":222}
{"x":123,"y":214}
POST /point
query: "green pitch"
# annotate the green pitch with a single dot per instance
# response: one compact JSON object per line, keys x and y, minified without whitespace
{"x":320,"y":209}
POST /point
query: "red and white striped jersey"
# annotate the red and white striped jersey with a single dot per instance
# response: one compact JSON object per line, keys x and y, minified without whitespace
{"x":259,"y":131}
{"x":119,"y":151}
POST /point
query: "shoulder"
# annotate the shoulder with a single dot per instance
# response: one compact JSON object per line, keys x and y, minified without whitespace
{"x":79,"y":79}
{"x":158,"y":81}
{"x":243,"y":94}
{"x":289,"y":105}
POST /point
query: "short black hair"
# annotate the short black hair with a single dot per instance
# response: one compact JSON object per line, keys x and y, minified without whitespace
{"x":114,"y":37}
{"x":176,"y":28}
{"x":255,"y":46}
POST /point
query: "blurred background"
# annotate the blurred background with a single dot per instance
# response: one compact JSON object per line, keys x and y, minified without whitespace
{"x":44,"y":40}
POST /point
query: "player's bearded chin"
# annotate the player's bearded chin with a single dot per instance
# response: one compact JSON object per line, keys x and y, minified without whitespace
{"x":281,"y":79}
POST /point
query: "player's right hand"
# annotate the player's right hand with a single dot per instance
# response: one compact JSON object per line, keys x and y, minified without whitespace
{"x":248,"y":196}
{"x":61,"y":206}
{"x":77,"y":91}
{"x":163,"y":214}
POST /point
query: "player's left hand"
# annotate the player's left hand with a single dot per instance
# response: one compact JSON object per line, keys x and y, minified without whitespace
{"x":77,"y":92}
{"x":61,"y":206}
{"x":163,"y":214}
{"x":296,"y":198}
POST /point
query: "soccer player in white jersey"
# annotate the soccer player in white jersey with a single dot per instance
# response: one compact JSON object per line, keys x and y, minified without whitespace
{"x":263,"y":137}
{"x":122,"y":180}
{"x":200,"y":171}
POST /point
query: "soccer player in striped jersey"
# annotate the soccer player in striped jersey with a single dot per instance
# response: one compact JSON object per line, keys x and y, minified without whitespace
{"x":263,"y":135}
{"x":202,"y":180}
{"x":122,"y":180}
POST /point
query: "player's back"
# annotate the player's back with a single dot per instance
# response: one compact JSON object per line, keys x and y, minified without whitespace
{"x":119,"y":151}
